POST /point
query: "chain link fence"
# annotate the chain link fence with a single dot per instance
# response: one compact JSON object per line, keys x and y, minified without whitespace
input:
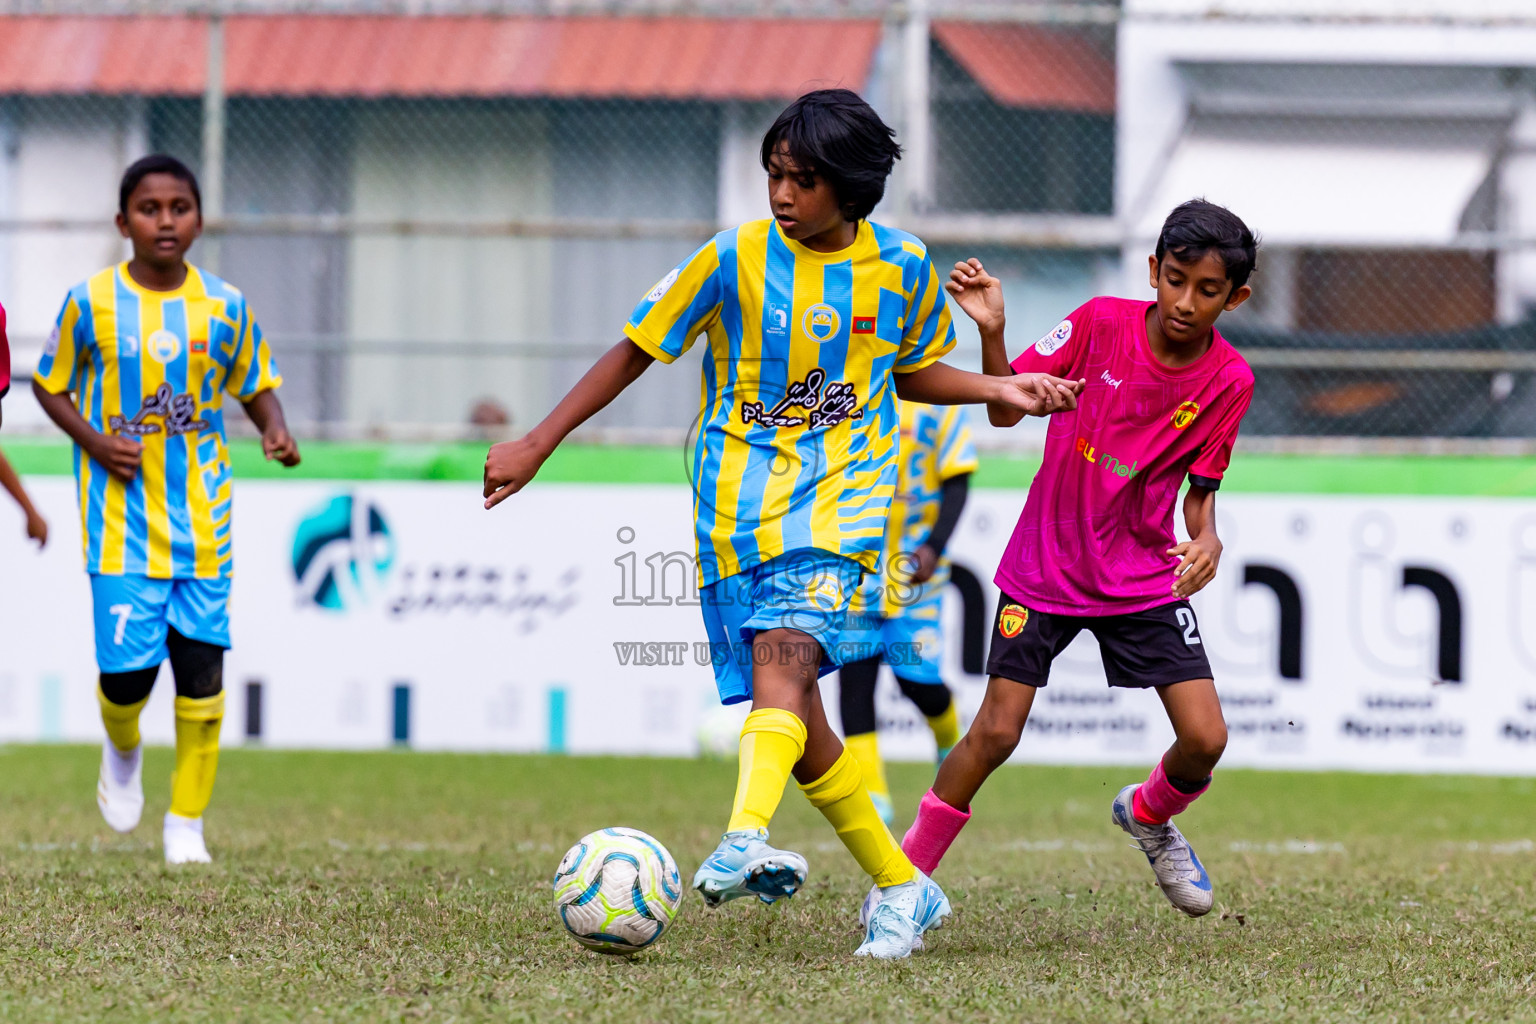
{"x":442,"y":218}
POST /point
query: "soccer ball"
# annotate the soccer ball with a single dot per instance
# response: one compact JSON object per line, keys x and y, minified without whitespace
{"x":616,"y":890}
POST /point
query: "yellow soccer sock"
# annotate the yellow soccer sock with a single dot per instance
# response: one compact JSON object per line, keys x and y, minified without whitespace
{"x":121,"y":721}
{"x":865,"y":748}
{"x":197,"y":753}
{"x":946,"y":727}
{"x":772,"y":740}
{"x":840,"y":795}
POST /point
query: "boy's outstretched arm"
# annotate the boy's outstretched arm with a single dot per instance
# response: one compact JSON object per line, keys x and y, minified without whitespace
{"x":1027,"y":394}
{"x":267,"y":413}
{"x":1202,"y":552}
{"x":981,"y":296}
{"x":37,"y":526}
{"x":511,"y":464}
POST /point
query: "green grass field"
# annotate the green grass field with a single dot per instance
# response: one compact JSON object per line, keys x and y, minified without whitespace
{"x":404,"y":886}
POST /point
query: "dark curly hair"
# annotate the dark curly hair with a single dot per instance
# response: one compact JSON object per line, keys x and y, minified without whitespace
{"x":833,"y":133}
{"x":1198,"y":227}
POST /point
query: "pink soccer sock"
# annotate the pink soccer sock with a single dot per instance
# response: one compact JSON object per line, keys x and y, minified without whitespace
{"x":1155,"y":801}
{"x":936,"y":827}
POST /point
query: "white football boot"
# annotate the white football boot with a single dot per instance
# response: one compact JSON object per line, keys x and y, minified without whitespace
{"x":183,"y":839}
{"x":120,"y":786}
{"x":1179,"y":872}
{"x":904,"y":912}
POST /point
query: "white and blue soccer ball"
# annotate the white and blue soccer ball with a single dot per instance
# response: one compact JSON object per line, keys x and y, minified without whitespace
{"x":617,"y":890}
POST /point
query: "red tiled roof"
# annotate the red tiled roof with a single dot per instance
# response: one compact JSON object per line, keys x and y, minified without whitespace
{"x":102,"y":55}
{"x":1033,"y":66}
{"x":305,"y":55}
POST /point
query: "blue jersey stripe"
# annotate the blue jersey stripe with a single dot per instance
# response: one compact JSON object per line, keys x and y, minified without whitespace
{"x":931,"y":324}
{"x":130,"y":399}
{"x":183,"y":555}
{"x":718,"y":404}
{"x":97,"y":500}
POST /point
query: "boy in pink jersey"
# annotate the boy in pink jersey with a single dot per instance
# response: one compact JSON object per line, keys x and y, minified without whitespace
{"x":1094,"y":548}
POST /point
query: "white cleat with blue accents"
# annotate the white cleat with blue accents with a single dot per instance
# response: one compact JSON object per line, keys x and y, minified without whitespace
{"x":1179,"y":872}
{"x":745,"y":865}
{"x":894,"y":922}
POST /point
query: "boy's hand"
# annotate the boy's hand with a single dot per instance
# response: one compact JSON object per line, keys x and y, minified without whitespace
{"x":118,"y":455}
{"x":978,"y":293}
{"x":1198,"y":566}
{"x":1039,"y":394}
{"x":37,"y":529}
{"x":927,"y":562}
{"x":508,"y":467}
{"x":277,"y":443}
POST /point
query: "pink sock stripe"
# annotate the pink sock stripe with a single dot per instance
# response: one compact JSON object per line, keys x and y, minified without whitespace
{"x":936,"y":827}
{"x":1159,"y":797}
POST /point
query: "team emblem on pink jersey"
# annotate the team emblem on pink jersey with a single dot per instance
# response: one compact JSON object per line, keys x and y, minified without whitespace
{"x":1013,"y":620}
{"x":1057,"y":338}
{"x":1185,"y":414}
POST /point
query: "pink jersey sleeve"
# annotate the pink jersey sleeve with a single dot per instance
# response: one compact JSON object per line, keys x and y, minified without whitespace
{"x":1057,"y":351}
{"x":5,"y":357}
{"x":1216,"y":448}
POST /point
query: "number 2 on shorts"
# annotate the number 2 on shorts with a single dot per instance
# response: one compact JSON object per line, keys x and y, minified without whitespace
{"x":1186,"y":619}
{"x":122,"y":611}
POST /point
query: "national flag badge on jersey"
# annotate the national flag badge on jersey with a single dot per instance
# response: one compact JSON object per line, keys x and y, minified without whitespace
{"x":863,"y":325}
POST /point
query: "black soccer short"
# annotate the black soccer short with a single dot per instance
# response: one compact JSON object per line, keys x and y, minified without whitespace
{"x":1155,"y":647}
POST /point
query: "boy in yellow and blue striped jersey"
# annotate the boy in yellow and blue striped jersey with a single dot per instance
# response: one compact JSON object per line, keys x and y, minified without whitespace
{"x":896,"y":613}
{"x":815,"y":321}
{"x":135,"y":373}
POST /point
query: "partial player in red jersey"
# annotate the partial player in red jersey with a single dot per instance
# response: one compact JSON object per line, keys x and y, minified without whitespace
{"x":5,"y":357}
{"x":1094,"y":548}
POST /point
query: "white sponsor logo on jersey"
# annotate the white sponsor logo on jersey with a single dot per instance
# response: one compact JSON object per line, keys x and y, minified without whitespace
{"x":662,"y":287}
{"x":1057,"y":338}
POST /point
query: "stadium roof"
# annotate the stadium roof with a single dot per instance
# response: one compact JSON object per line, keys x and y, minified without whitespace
{"x":379,"y":56}
{"x":375,"y":56}
{"x":1033,"y":66}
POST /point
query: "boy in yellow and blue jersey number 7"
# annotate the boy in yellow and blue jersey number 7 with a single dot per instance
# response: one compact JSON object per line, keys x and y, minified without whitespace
{"x":135,"y":374}
{"x":816,"y":320}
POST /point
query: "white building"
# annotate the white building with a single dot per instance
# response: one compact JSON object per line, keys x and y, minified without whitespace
{"x":1383,"y":148}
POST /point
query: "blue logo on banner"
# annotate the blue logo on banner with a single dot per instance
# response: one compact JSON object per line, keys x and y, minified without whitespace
{"x":342,"y":553}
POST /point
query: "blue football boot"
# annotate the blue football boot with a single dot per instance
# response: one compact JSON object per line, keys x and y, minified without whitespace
{"x":745,"y":865}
